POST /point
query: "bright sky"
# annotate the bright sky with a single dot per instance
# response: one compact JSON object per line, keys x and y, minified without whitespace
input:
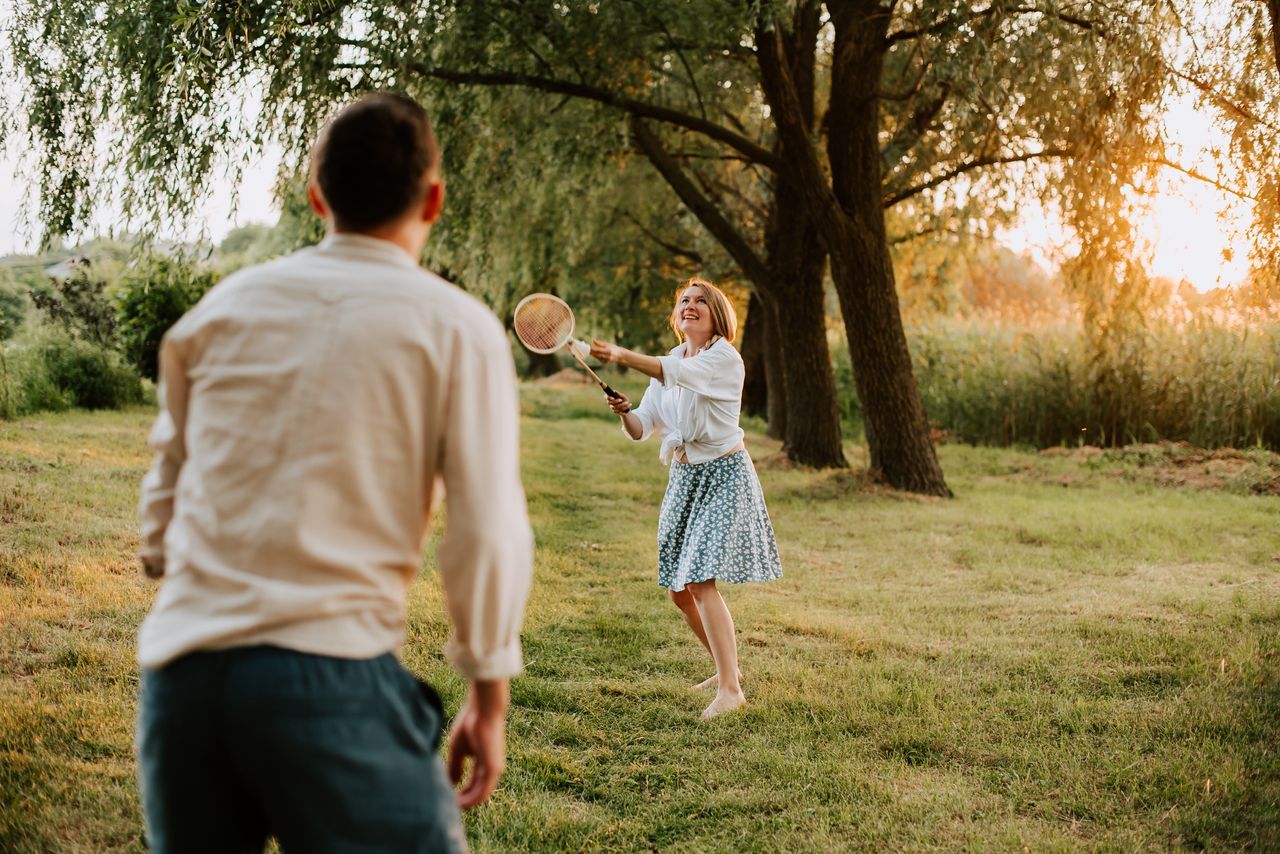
{"x":1188,"y":225}
{"x":229,"y":207}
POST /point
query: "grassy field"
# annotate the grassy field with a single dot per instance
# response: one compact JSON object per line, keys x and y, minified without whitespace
{"x":1069,"y":655}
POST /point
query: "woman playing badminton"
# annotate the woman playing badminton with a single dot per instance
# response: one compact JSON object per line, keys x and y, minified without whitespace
{"x":713,"y":524}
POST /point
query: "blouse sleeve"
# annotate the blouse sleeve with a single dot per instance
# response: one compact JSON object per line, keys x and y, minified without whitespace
{"x":647,"y":413}
{"x":716,"y":373}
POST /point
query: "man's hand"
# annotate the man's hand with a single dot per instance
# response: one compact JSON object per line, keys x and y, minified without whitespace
{"x":480,"y":733}
{"x":152,"y":566}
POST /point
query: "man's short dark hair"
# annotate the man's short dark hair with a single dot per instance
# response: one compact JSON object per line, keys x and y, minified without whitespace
{"x":373,"y":159}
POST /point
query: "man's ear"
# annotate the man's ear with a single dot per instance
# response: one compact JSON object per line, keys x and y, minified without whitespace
{"x":433,"y":202}
{"x":316,"y":200}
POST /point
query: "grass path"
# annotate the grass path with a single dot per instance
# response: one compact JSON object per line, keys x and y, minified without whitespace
{"x":1030,"y":665}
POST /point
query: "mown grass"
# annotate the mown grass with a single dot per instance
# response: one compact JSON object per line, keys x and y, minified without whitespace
{"x":1066,"y":656}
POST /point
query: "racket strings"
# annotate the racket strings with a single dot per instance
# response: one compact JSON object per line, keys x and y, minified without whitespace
{"x":543,"y":324}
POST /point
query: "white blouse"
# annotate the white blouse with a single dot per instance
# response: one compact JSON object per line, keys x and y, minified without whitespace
{"x":311,"y":410}
{"x":695,"y":406}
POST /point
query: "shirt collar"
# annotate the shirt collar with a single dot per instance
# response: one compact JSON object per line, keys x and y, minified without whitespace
{"x":364,"y":246}
{"x":684,"y":345}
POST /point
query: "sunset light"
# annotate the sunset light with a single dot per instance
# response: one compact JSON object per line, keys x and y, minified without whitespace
{"x":1194,"y":230}
{"x":1188,"y":229}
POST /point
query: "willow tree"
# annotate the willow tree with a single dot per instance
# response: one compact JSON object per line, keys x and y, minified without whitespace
{"x":1233,"y":68}
{"x":785,"y":129}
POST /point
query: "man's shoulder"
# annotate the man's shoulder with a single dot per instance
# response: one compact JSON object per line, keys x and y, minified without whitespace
{"x":456,"y":308}
{"x":256,"y":274}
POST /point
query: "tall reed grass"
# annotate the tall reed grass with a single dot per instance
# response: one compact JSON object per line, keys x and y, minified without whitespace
{"x":985,"y":383}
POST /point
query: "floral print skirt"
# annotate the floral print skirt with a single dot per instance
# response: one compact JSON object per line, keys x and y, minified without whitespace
{"x":714,"y":524}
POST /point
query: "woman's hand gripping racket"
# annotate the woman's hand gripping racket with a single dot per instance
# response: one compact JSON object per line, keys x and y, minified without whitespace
{"x":544,"y":324}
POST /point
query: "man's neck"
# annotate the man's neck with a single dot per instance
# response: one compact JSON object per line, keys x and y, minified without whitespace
{"x":411,"y":240}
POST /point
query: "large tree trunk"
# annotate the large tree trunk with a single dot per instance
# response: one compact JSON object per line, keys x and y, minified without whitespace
{"x":796,"y":263}
{"x":847,"y":211}
{"x":775,"y":376}
{"x":541,"y":364}
{"x":793,"y":287}
{"x":897,"y":429}
{"x":764,"y":394}
{"x":755,"y":389}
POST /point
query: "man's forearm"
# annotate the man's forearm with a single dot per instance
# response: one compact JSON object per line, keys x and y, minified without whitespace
{"x":490,"y":697}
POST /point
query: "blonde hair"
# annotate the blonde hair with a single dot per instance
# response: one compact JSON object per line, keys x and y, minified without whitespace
{"x":724,"y":320}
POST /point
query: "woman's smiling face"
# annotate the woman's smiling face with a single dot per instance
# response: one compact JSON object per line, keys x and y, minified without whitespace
{"x":694,"y":314}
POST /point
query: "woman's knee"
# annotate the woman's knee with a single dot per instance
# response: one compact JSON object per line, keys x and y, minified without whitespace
{"x":701,"y":589}
{"x":683,"y":599}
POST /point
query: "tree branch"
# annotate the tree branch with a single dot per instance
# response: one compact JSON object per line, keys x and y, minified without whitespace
{"x":693,"y":81}
{"x":1200,"y":176}
{"x":706,"y":212}
{"x":788,"y":112}
{"x":1221,"y":100}
{"x":637,"y":109}
{"x":697,"y":155}
{"x":953,"y":22}
{"x":714,"y":184}
{"x":525,"y":43}
{"x":902,"y":195}
{"x":899,"y":239}
{"x":905,"y":138}
{"x":678,"y":251}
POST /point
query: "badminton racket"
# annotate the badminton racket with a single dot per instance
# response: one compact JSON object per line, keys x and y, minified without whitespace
{"x":544,"y":324}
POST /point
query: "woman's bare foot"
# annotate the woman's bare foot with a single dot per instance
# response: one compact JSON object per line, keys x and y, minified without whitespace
{"x":711,"y":682}
{"x":725,"y":701}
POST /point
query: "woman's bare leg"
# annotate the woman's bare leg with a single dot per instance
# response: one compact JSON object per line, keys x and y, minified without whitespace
{"x":718,"y":624}
{"x":683,"y":600}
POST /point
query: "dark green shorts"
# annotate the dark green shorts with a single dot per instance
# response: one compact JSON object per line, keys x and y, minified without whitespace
{"x":325,"y":754}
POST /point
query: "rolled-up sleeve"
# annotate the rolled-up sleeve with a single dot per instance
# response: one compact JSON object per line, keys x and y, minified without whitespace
{"x":167,"y":439}
{"x":646,"y":413}
{"x":486,"y":556}
{"x":716,"y":373}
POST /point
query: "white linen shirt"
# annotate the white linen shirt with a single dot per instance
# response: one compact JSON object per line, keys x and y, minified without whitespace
{"x":311,"y":407}
{"x":696,"y":404}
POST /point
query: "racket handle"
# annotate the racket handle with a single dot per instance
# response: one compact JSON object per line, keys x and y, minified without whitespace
{"x":609,"y":391}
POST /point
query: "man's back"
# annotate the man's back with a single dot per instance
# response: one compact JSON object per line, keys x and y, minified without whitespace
{"x":325,"y":393}
{"x":308,"y":409}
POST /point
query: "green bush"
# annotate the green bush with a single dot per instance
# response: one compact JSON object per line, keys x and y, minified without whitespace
{"x":13,"y":306}
{"x":79,"y":304}
{"x":150,"y":298}
{"x":25,"y":386}
{"x":52,"y":372}
{"x":91,"y":377}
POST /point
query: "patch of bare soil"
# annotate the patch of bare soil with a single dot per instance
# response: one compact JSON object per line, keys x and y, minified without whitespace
{"x":1179,"y":464}
{"x":563,"y":377}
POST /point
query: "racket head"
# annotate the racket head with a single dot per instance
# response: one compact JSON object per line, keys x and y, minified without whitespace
{"x":543,"y":322}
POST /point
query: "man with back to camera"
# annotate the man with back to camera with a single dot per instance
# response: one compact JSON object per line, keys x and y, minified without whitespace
{"x":309,"y":406}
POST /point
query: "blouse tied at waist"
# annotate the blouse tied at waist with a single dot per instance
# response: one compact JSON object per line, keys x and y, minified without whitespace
{"x":696,"y":405}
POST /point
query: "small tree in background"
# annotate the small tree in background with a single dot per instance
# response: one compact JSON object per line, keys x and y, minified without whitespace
{"x":151,"y":297}
{"x":79,"y":305}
